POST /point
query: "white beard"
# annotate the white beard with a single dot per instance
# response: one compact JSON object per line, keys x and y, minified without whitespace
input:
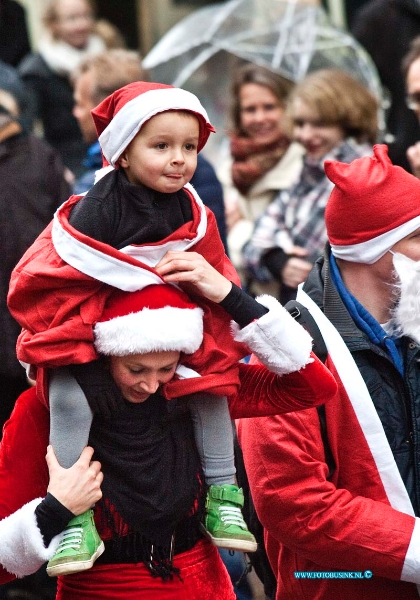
{"x":406,"y":314}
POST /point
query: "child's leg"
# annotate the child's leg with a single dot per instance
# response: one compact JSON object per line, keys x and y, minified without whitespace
{"x":70,"y":422}
{"x":223,"y":522}
{"x":214,"y":437}
{"x":70,"y":417}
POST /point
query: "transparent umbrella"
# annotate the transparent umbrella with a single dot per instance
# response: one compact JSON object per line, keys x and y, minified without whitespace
{"x":290,"y":37}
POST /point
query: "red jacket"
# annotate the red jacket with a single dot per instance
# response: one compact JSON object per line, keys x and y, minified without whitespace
{"x":59,"y":288}
{"x":358,"y":520}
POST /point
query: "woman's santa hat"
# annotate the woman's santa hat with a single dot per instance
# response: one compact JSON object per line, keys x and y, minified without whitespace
{"x":121,"y":115}
{"x":373,"y":205}
{"x":153,"y":319}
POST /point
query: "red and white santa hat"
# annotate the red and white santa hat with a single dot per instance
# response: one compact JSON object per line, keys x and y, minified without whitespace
{"x":121,"y":115}
{"x":153,"y":319}
{"x":373,"y":205}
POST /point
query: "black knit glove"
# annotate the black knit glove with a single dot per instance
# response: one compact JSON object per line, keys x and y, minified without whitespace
{"x":101,"y":391}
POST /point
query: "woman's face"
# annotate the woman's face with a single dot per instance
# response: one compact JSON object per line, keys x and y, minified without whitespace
{"x":260,"y":112}
{"x":74,"y":22}
{"x":316,"y":137}
{"x":140,"y":375}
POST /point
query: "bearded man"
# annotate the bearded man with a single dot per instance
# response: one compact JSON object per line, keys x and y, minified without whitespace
{"x":339,"y":496}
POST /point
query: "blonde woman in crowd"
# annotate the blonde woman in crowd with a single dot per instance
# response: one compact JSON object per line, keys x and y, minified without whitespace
{"x":334,"y":117}
{"x":68,"y":40}
{"x":261,"y":158}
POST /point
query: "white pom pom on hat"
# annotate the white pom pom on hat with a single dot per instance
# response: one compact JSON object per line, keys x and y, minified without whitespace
{"x":153,"y":319}
{"x":121,"y":115}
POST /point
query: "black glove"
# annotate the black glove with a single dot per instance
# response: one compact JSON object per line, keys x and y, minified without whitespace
{"x":101,"y":391}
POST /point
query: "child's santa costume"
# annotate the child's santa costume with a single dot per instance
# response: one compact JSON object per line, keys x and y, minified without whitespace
{"x":58,"y":289}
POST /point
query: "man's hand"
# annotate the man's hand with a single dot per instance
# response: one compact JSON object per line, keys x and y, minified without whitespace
{"x":194,"y":274}
{"x":79,"y":487}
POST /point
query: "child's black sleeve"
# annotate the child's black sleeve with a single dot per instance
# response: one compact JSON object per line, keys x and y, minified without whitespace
{"x":52,"y":518}
{"x":242,"y":307}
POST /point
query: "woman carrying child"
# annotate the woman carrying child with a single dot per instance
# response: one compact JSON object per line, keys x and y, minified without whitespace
{"x":153,"y":489}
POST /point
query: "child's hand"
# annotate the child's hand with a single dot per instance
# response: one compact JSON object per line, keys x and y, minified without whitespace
{"x":194,"y":273}
{"x":79,"y":487}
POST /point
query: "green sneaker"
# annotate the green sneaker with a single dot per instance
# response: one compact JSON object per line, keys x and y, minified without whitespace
{"x":223,"y":522}
{"x":79,"y":547}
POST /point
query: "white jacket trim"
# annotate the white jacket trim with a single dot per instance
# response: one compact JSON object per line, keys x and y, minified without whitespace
{"x":22,"y":550}
{"x":278,"y":341}
{"x":411,"y":568}
{"x":363,"y":407}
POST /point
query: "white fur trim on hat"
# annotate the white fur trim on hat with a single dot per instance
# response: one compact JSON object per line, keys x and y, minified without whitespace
{"x":131,"y":117}
{"x":151,"y":330}
{"x":372,"y":250}
{"x":22,"y":550}
{"x":278,"y":341}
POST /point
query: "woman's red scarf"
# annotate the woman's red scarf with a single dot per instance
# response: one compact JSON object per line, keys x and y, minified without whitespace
{"x":252,"y":159}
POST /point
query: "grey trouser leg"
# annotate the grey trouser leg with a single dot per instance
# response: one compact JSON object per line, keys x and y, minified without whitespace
{"x":70,"y":417}
{"x":214,"y":437}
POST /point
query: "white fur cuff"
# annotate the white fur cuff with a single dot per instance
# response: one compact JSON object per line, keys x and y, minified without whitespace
{"x":22,"y":550}
{"x":411,"y":568}
{"x":279,"y":342}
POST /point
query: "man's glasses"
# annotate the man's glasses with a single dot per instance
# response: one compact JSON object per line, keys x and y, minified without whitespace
{"x":413,"y":101}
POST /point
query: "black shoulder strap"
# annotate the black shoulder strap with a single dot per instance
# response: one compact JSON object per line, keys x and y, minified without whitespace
{"x":302,"y":315}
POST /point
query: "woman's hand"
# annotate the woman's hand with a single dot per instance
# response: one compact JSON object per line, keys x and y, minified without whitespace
{"x":78,"y":487}
{"x":194,"y":274}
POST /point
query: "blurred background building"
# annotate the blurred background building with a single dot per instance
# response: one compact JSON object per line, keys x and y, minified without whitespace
{"x":144,"y":22}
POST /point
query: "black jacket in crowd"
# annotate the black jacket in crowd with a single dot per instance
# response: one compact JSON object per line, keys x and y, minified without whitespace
{"x":32,"y":187}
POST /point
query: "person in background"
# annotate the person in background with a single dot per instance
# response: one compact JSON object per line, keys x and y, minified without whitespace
{"x":411,"y":70}
{"x":110,"y":34}
{"x":68,"y":39}
{"x":14,"y":38}
{"x":340,"y":495}
{"x":333,"y":116}
{"x":11,"y":82}
{"x":96,"y":78}
{"x":261,"y":159}
{"x":385,"y":28}
{"x":32,"y":188}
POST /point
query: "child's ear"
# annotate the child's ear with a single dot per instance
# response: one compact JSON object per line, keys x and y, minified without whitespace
{"x":123,"y":160}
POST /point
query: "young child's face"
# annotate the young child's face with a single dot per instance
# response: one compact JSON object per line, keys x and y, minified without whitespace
{"x":318,"y":138}
{"x":163,"y":155}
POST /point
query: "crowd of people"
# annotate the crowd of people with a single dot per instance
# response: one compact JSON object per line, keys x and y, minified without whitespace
{"x":203,"y":358}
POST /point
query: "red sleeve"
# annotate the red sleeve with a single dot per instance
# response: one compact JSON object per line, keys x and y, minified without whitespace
{"x":332,"y":525}
{"x":263,"y":393}
{"x":23,"y":469}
